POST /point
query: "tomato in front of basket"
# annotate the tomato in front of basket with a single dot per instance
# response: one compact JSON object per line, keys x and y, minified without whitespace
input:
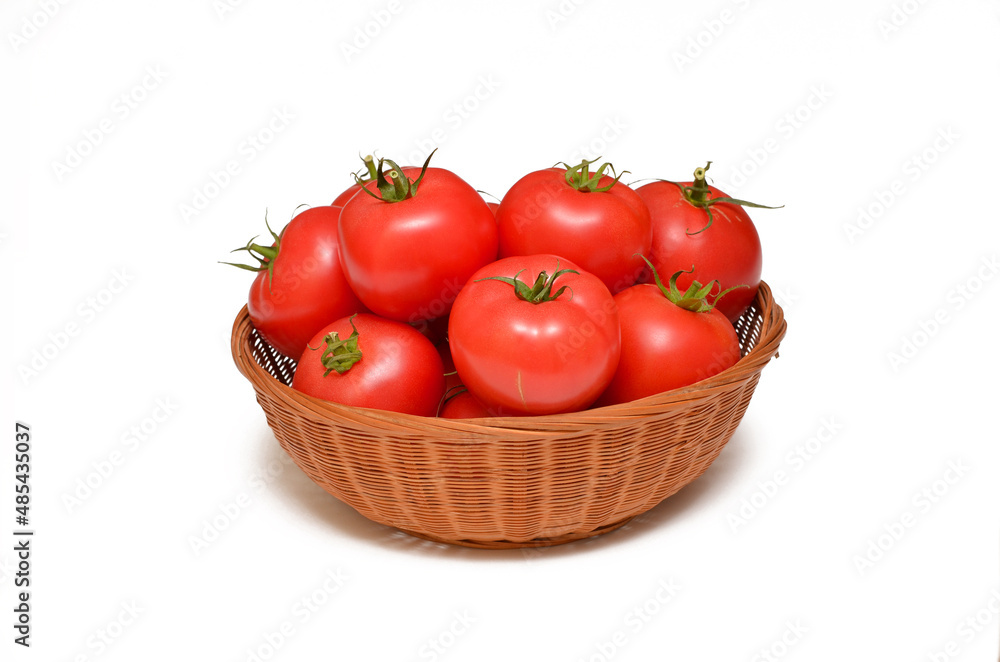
{"x":696,"y":223}
{"x":670,"y":339}
{"x":535,"y":335}
{"x":368,"y":361}
{"x":300,"y":285}
{"x":409,"y":243}
{"x":589,"y":218}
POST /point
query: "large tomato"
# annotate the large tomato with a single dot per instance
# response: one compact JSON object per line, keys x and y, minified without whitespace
{"x":535,"y":335}
{"x":300,"y":286}
{"x":590,"y":219}
{"x":670,"y":339}
{"x":408,"y":246}
{"x":368,"y":361}
{"x":693,"y":226}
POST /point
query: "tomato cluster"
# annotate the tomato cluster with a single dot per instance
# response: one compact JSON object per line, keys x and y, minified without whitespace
{"x":411,"y":293}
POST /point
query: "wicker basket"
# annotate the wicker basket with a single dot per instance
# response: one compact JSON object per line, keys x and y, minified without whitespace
{"x":511,"y":482}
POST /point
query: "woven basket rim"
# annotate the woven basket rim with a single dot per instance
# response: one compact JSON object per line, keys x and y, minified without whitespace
{"x":772,"y":331}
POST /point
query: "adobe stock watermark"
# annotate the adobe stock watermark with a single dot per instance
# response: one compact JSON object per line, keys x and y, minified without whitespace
{"x":435,"y":647}
{"x":301,"y":612}
{"x":223,"y":8}
{"x":119,"y":110}
{"x":368,"y":32}
{"x":110,"y":464}
{"x":218,"y":180}
{"x":634,"y":621}
{"x":783,"y":643}
{"x":785,"y":129}
{"x":910,"y":344}
{"x":610,"y":132}
{"x":86,"y":312}
{"x":711,"y":29}
{"x":106,"y":636}
{"x":923,"y":502}
{"x":31,"y":25}
{"x":230,"y":510}
{"x":453,"y":117}
{"x":795,"y":460}
{"x":558,"y":14}
{"x":968,"y":629}
{"x":898,"y":17}
{"x":784,"y":296}
{"x":913,"y":168}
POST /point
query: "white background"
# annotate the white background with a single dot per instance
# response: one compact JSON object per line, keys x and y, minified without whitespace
{"x":827,"y":108}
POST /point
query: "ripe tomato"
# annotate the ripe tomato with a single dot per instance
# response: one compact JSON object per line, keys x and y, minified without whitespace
{"x":669,"y":340}
{"x":465,"y":405}
{"x":300,"y":286}
{"x":718,"y":238}
{"x":408,"y":253}
{"x":528,"y":343}
{"x":590,"y":219}
{"x":368,"y":361}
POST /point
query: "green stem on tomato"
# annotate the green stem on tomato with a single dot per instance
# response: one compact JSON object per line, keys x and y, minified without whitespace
{"x":699,"y":194}
{"x":340,"y":355}
{"x":695,"y":298}
{"x":540,"y":291}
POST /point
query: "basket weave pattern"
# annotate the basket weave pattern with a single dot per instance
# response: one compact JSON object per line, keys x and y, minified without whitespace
{"x":511,"y":482}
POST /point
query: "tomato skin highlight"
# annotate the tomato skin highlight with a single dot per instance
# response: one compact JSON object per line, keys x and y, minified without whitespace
{"x":666,"y":347}
{"x":601,"y":231}
{"x":729,"y":251}
{"x":407,"y":260}
{"x":308,"y":288}
{"x":400,"y":370}
{"x":521,"y":358}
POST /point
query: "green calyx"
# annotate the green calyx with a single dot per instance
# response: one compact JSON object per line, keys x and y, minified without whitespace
{"x":695,"y":298}
{"x":265,"y":255}
{"x":541,"y":291}
{"x":580,"y":177}
{"x":340,"y":355}
{"x":698,"y":194}
{"x":368,"y":173}
{"x":393,"y":186}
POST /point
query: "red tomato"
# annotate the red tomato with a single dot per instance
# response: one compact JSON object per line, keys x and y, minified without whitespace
{"x":727,"y":250}
{"x":368,"y":361}
{"x":666,"y":345}
{"x":555,"y":355}
{"x":465,"y":405}
{"x":590,"y":219}
{"x":407,"y":259}
{"x":300,"y":286}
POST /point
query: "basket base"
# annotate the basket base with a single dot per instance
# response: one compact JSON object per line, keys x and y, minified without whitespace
{"x":537,"y":542}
